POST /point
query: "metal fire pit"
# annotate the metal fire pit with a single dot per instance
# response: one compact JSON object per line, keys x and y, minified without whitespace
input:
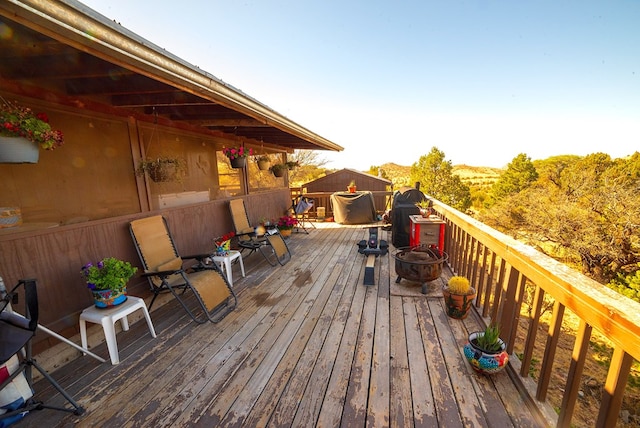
{"x":420,"y":264}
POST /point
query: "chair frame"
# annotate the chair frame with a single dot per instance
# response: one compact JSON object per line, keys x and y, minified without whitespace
{"x":178,"y":279}
{"x":271,"y":244}
{"x":302,"y":214}
{"x":23,"y":330}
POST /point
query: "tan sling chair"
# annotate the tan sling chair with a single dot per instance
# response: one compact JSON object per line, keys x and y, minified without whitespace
{"x":271,"y":245}
{"x":214,"y":297}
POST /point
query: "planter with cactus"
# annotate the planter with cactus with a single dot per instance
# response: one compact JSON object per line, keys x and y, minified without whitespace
{"x":485,"y":351}
{"x":458,"y":297}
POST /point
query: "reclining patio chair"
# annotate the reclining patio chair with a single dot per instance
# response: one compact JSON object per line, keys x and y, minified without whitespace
{"x":163,"y":267}
{"x":270,"y":244}
{"x":16,"y":332}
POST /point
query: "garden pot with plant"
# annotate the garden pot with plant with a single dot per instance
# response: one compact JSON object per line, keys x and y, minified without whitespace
{"x":107,"y":281}
{"x":351,"y":188}
{"x":162,"y":169}
{"x":278,"y":169}
{"x":23,"y":133}
{"x":264,"y":162}
{"x":458,"y":297}
{"x":237,"y":155}
{"x":425,"y":207}
{"x":286,"y":224}
{"x":485,"y":351}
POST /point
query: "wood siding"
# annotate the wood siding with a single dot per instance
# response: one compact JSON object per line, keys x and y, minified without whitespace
{"x":54,"y":256}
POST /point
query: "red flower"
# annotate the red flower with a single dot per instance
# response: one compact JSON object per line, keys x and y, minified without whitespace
{"x":222,"y":239}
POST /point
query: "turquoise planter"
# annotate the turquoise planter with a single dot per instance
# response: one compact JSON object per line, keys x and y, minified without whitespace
{"x":483,"y":361}
{"x":105,"y":299}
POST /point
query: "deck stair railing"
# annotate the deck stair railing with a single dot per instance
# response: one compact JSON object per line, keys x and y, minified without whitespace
{"x":501,"y":269}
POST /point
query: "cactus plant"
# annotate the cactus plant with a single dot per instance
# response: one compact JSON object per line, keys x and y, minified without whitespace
{"x":459,"y":285}
{"x":458,"y":297}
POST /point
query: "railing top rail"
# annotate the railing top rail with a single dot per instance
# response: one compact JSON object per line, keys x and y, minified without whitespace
{"x":614,"y":315}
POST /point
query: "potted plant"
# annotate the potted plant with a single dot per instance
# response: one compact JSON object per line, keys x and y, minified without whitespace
{"x":107,"y":280}
{"x":352,"y":186}
{"x":425,"y":207}
{"x":458,"y":297}
{"x":162,"y":169}
{"x":23,"y":132}
{"x":278,"y":169}
{"x":485,"y":351}
{"x":223,"y":243}
{"x":237,"y":155}
{"x":292,"y":164}
{"x":286,"y":224}
{"x":263,"y":161}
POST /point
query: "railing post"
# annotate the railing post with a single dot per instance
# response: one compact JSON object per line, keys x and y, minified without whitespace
{"x":572,"y":387}
{"x":614,"y":388}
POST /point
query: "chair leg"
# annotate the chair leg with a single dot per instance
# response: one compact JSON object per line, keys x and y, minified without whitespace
{"x":77,"y":408}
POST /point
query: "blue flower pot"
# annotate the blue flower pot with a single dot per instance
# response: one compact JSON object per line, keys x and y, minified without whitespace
{"x":105,"y":299}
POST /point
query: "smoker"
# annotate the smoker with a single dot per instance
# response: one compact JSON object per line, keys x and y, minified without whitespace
{"x":404,"y":205}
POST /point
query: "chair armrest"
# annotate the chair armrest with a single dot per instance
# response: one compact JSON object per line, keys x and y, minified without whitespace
{"x":161,"y":274}
{"x":199,"y":257}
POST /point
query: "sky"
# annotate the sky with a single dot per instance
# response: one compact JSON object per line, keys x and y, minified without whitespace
{"x":482,"y":81}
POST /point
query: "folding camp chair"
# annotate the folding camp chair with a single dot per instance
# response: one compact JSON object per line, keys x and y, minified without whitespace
{"x":271,"y":244}
{"x":301,"y":206}
{"x":163,"y":266}
{"x":16,"y":332}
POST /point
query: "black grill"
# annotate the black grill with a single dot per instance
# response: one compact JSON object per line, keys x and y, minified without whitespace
{"x":404,"y":205}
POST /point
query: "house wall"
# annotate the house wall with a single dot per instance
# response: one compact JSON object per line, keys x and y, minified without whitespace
{"x":78,"y":200}
{"x":55,"y":255}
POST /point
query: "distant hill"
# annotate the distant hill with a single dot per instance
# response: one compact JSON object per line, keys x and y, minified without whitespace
{"x":473,"y":176}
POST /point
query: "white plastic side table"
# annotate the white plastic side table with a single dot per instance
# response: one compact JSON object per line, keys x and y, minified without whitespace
{"x":225,"y":264}
{"x":108,"y":318}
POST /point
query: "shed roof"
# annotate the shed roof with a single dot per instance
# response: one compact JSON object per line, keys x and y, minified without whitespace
{"x":80,"y":55}
{"x":352,"y":173}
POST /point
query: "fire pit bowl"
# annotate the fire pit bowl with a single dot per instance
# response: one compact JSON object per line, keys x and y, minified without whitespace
{"x":420,"y":264}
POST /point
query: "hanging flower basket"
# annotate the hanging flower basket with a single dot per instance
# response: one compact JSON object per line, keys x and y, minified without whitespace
{"x":264,"y":163}
{"x":162,"y":169}
{"x":18,"y":150}
{"x":237,"y":155}
{"x":278,"y":169}
{"x":23,"y":132}
{"x":238,"y":162}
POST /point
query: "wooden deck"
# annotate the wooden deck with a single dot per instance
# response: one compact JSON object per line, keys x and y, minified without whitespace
{"x":308,"y":345}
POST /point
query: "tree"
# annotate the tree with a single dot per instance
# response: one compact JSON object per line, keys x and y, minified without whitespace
{"x":584,"y":210}
{"x":377,"y":170}
{"x":437,"y":180}
{"x":310,"y":167}
{"x":519,"y":175}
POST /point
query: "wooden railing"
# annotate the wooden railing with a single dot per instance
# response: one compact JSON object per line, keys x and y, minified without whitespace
{"x":501,"y":269}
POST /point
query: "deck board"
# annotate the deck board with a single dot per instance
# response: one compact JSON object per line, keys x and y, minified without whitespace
{"x":308,"y":345}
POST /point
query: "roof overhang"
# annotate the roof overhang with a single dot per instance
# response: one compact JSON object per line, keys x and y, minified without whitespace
{"x":75,"y":52}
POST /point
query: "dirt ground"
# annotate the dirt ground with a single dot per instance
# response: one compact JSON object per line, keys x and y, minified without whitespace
{"x":593,"y":377}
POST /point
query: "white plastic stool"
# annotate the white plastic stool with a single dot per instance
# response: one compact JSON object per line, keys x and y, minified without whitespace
{"x":225,"y":264}
{"x":108,"y":318}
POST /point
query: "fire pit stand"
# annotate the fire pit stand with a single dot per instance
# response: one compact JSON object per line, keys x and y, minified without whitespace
{"x":421,"y":264}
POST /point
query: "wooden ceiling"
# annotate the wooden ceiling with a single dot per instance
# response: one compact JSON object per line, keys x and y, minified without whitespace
{"x":135,"y":77}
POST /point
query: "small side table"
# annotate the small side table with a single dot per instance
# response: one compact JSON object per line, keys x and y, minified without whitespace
{"x":225,"y":263}
{"x":108,"y":318}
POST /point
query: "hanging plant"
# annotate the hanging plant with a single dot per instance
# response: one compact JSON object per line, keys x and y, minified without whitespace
{"x":19,"y":121}
{"x":263,"y":161}
{"x":162,"y":169}
{"x":278,"y":169}
{"x":292,"y":164}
